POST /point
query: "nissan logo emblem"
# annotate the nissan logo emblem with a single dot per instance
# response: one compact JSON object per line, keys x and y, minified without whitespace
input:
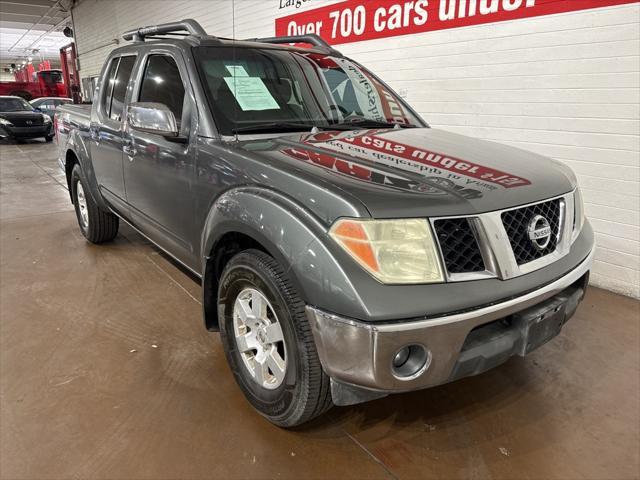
{"x":539,"y":231}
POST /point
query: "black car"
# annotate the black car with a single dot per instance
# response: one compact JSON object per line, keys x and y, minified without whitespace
{"x":19,"y":120}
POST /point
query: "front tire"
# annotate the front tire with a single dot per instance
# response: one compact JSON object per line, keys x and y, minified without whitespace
{"x":96,"y":225}
{"x":268,"y":341}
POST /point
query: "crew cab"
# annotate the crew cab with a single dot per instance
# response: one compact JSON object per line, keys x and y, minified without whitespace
{"x":346,"y":250}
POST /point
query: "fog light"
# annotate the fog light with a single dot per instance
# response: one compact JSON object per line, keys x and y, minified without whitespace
{"x":401,"y":357}
{"x":411,"y":361}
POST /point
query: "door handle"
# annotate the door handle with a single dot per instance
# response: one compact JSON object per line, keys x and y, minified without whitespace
{"x":93,"y":133}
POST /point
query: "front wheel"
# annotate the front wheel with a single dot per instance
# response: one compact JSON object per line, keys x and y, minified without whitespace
{"x":96,"y":225}
{"x":268,"y":341}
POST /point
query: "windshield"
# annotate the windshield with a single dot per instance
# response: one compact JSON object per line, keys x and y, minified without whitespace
{"x":279,"y":90}
{"x":14,"y":105}
{"x":51,"y":77}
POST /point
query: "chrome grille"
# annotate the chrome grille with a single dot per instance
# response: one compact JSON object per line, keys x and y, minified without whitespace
{"x":505,"y":243}
{"x":460,"y":249}
{"x":516,"y":223}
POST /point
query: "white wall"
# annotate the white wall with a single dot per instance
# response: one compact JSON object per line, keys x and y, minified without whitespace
{"x":566,"y":86}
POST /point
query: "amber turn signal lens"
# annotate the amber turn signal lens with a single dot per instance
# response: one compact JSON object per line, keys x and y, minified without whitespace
{"x":355,"y":240}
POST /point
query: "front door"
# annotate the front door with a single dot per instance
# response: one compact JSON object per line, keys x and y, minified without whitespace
{"x":107,"y":133}
{"x":159,"y":171}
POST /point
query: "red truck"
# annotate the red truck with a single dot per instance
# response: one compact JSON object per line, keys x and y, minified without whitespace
{"x":49,"y":83}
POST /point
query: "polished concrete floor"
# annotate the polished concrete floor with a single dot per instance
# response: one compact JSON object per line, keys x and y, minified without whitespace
{"x":107,"y":372}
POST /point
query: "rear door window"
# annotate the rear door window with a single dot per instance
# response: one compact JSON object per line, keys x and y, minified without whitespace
{"x":162,"y":83}
{"x":120,"y":87}
{"x":109,"y":80}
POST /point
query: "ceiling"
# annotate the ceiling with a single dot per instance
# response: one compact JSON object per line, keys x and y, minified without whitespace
{"x":32,"y":28}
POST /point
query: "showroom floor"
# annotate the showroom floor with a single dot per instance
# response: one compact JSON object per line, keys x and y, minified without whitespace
{"x":107,"y":372}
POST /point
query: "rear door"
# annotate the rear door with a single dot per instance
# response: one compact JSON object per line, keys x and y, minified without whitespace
{"x":107,"y":132}
{"x":159,"y":172}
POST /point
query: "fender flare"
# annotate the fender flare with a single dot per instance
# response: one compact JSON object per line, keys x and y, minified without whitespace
{"x":290,"y":233}
{"x":76,"y":145}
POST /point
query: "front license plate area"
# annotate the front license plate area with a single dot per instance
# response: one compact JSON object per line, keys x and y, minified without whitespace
{"x":541,"y":325}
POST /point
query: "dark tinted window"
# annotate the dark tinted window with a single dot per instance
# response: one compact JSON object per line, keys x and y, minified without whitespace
{"x":162,"y":84}
{"x":51,"y":76}
{"x":105,"y":100}
{"x":120,"y":87}
{"x":10,"y":104}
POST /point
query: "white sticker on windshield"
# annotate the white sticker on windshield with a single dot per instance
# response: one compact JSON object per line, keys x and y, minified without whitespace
{"x":251,"y":93}
{"x":237,"y":70}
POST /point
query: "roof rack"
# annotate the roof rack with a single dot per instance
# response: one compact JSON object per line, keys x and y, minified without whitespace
{"x":187,"y":25}
{"x":311,"y":39}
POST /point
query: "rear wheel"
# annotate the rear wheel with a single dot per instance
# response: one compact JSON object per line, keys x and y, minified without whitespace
{"x":96,"y":225}
{"x":48,"y":138}
{"x":268,"y":341}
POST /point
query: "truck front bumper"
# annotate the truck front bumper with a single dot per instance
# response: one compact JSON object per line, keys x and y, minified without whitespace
{"x":359,"y":356}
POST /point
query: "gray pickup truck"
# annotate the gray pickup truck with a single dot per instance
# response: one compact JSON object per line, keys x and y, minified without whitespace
{"x":346,"y":250}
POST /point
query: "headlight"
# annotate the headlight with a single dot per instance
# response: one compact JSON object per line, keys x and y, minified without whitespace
{"x":393,"y":251}
{"x":578,"y":213}
{"x":46,"y":118}
{"x":4,"y":121}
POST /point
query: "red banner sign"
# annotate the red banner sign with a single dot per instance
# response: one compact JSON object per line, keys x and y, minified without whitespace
{"x":357,"y":20}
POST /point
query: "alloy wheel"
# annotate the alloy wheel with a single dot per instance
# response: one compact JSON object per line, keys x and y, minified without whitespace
{"x":259,"y":338}
{"x":82,"y":205}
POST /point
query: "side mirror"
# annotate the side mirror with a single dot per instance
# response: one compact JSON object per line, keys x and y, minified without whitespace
{"x":37,"y":109}
{"x":152,"y":118}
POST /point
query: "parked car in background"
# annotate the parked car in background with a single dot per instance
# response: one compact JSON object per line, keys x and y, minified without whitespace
{"x":346,"y":249}
{"x":20,"y":120}
{"x":48,"y":105}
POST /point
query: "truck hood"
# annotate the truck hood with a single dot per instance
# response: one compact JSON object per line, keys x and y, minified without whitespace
{"x":418,"y":172}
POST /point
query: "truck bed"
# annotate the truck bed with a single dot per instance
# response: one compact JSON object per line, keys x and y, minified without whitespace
{"x":77,"y":112}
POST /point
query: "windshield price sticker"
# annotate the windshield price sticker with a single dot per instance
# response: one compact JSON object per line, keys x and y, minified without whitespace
{"x":251,"y":93}
{"x":236,"y":70}
{"x":358,"y":20}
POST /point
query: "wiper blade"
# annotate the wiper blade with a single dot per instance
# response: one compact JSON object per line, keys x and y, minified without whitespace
{"x":359,"y":122}
{"x":273,"y":127}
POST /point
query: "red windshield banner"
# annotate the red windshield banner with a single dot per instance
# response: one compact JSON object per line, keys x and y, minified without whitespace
{"x":357,"y":20}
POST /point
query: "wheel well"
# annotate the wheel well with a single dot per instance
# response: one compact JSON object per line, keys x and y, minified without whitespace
{"x":70,"y":161}
{"x":229,"y":245}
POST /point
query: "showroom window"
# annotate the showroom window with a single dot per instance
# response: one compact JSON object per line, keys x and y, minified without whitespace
{"x":120,"y":87}
{"x":162,"y":84}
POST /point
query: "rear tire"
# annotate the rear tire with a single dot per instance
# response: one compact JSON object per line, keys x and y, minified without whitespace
{"x":303,"y":391}
{"x":95,"y":224}
{"x":48,"y":138}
